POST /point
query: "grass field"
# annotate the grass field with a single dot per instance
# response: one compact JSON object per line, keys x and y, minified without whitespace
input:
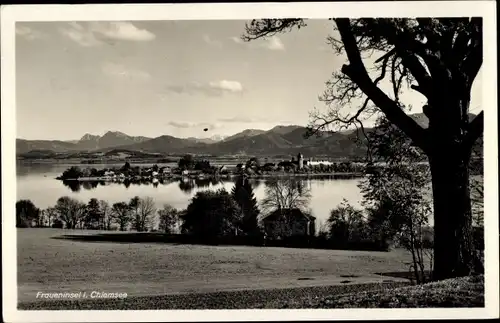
{"x":46,"y":265}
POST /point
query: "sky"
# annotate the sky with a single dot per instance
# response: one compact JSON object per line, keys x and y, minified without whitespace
{"x":152,"y":78}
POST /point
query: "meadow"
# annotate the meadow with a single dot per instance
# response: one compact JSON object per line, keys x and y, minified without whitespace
{"x":47,"y":262}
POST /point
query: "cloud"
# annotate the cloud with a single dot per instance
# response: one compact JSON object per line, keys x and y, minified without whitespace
{"x":210,"y":41}
{"x":121,"y":71}
{"x":28,"y":33}
{"x":231,"y":86}
{"x":240,"y":119}
{"x":237,"y":40}
{"x":271,"y":43}
{"x":81,"y":35}
{"x":176,"y":124}
{"x":274,"y":43}
{"x":89,"y":34}
{"x":214,"y":88}
{"x":201,"y":125}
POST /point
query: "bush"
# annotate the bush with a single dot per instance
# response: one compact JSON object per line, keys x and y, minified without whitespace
{"x":26,"y":213}
{"x":57,"y":224}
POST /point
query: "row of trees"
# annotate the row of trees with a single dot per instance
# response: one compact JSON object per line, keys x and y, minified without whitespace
{"x":97,"y":214}
{"x":75,"y":172}
{"x":208,"y":213}
{"x":188,"y":162}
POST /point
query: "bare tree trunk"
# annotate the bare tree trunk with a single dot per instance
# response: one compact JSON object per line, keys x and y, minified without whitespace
{"x":453,"y":247}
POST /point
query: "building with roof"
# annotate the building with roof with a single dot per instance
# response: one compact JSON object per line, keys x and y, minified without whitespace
{"x":288,"y":222}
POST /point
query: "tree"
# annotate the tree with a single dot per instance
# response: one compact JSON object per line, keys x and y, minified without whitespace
{"x":346,"y":224}
{"x":51,"y":214}
{"x":186,"y":162}
{"x":94,"y":214}
{"x":396,"y":194}
{"x":169,"y":217}
{"x":126,"y":167}
{"x":73,"y":172}
{"x":211,"y":215}
{"x":253,"y":163}
{"x":26,"y":213}
{"x":285,"y":193}
{"x":134,"y":208}
{"x":145,"y":210}
{"x":120,"y":213}
{"x":105,"y":215}
{"x":70,"y":211}
{"x":438,"y":58}
{"x":242,"y":193}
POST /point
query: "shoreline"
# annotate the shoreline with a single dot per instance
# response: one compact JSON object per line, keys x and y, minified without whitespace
{"x":177,"y":177}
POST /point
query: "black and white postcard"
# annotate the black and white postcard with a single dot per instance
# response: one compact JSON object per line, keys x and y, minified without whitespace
{"x":283,"y":161}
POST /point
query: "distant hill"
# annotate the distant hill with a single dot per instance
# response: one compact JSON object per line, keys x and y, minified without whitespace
{"x":115,"y":139}
{"x":280,"y":140}
{"x":211,"y":140}
{"x":165,"y":144}
{"x":24,"y":146}
{"x":245,"y":133}
{"x":282,"y":130}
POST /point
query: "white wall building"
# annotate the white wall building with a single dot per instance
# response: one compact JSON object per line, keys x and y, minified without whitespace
{"x":319,"y":162}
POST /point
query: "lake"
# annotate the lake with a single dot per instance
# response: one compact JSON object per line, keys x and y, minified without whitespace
{"x":37,"y":182}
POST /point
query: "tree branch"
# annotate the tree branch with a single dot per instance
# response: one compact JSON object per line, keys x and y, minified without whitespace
{"x":474,"y":130}
{"x":473,"y":62}
{"x":358,"y":74}
{"x":261,"y":28}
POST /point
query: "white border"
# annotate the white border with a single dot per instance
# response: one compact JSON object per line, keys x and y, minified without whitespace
{"x":13,"y":13}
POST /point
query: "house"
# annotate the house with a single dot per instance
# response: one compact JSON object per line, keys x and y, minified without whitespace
{"x":288,"y":222}
{"x":109,"y":173}
{"x":319,"y":162}
{"x":165,"y":170}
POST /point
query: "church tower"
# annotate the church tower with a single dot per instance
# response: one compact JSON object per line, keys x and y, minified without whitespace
{"x":300,"y":159}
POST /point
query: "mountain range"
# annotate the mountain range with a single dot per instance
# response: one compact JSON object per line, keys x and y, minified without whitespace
{"x":280,"y":140}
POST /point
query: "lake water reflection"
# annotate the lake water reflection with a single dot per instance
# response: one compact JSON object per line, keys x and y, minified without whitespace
{"x":37,"y":182}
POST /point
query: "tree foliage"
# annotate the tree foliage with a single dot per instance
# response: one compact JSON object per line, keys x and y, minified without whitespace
{"x":71,"y":212}
{"x":397,"y":194}
{"x":186,"y":162}
{"x":346,"y":224}
{"x":242,"y":193}
{"x":94,"y":214}
{"x":26,"y":213}
{"x":74,"y":172}
{"x":212,"y":215}
{"x":146,"y":209}
{"x":285,"y":193}
{"x":106,"y":214}
{"x":169,"y":218}
{"x":120,"y":214}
